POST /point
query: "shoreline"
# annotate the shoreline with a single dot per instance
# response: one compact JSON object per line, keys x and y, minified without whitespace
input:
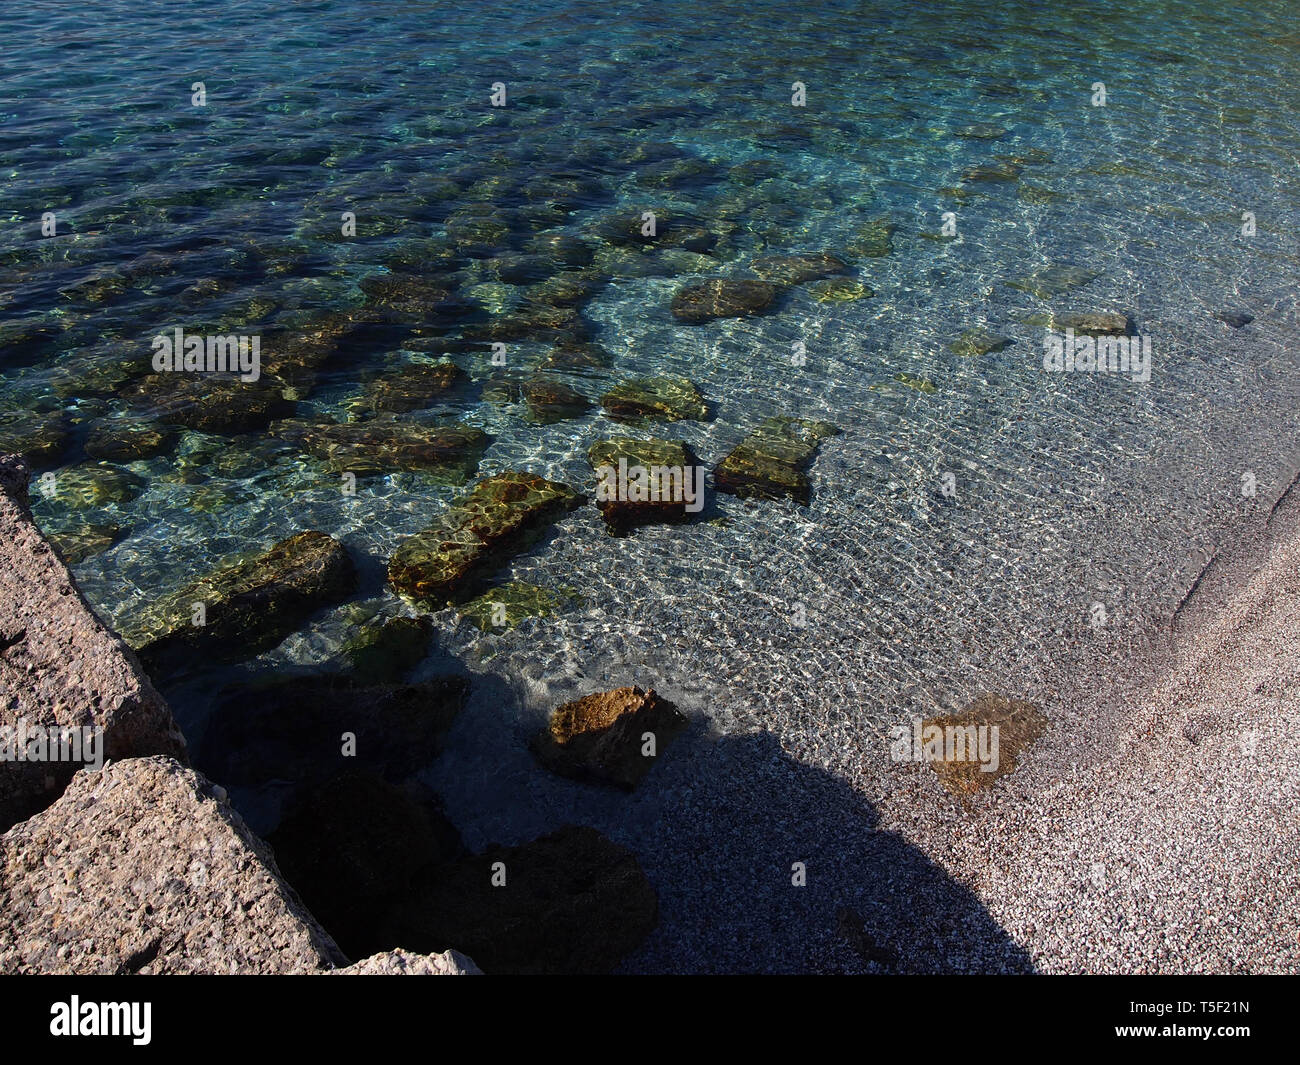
{"x":1160,"y":838}
{"x":1147,"y":831}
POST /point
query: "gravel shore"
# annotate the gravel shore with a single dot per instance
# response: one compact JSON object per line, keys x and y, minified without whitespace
{"x":1172,"y":848}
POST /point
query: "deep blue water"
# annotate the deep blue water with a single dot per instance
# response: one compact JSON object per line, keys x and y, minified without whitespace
{"x":1071,"y":489}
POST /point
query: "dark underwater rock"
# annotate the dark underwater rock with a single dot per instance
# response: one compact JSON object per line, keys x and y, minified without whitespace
{"x":292,"y":730}
{"x":723,"y":298}
{"x":623,"y":514}
{"x":795,"y":269}
{"x":665,"y":398}
{"x":772,"y":462}
{"x":250,"y":603}
{"x":601,"y":737}
{"x":552,"y":401}
{"x":500,"y":516}
{"x":382,"y":445}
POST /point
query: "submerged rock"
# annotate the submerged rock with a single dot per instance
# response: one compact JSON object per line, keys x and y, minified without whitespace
{"x":552,"y":401}
{"x":503,"y":607}
{"x":772,"y":462}
{"x":296,"y":354}
{"x":1049,"y":281}
{"x":387,"y":651}
{"x":562,"y":248}
{"x":357,"y":846}
{"x":603,"y":737}
{"x":292,"y":729}
{"x":381,"y":446}
{"x":81,"y":542}
{"x":672,"y":229}
{"x":794,"y":269}
{"x":918,"y":384}
{"x":500,"y":516}
{"x":875,"y":240}
{"x":981,"y":131}
{"x":723,"y":298}
{"x":666,"y":398}
{"x":1036,"y":195}
{"x":1093,"y":323}
{"x":534,"y":321}
{"x":412,"y":387}
{"x":664,"y":497}
{"x":41,"y":439}
{"x":841,"y":290}
{"x":249,"y":604}
{"x":573,"y":902}
{"x":978,"y":341}
{"x":1018,"y":725}
{"x":412,"y":298}
{"x":577,"y":357}
{"x":91,"y":485}
{"x":211,"y":403}
{"x":1002,"y":171}
{"x":117,"y":440}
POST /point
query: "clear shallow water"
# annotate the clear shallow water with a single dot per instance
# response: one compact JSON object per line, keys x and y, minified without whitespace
{"x":1071,"y":489}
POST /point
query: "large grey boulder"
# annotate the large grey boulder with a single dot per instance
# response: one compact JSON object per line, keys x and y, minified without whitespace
{"x":144,"y":867}
{"x":60,"y":667}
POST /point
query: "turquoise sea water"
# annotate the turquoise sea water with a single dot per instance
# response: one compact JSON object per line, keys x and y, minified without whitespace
{"x":1069,"y":489}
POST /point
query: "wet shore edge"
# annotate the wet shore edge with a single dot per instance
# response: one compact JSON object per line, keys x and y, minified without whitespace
{"x":1156,"y":778}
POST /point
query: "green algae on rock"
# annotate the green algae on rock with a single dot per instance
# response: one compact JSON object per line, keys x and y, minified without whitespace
{"x":551,"y":401}
{"x":772,"y":462}
{"x":875,"y":240}
{"x":666,"y":398}
{"x":81,"y":542}
{"x":414,"y":386}
{"x":91,"y":485}
{"x":504,"y":606}
{"x":795,"y":269}
{"x":603,"y":737}
{"x":723,"y":298}
{"x":1092,"y":323}
{"x":248,"y":604}
{"x":386,"y":652}
{"x":662,"y":504}
{"x":978,"y":341}
{"x":382,"y":445}
{"x":500,"y":516}
{"x":841,"y":290}
{"x":1054,"y":280}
